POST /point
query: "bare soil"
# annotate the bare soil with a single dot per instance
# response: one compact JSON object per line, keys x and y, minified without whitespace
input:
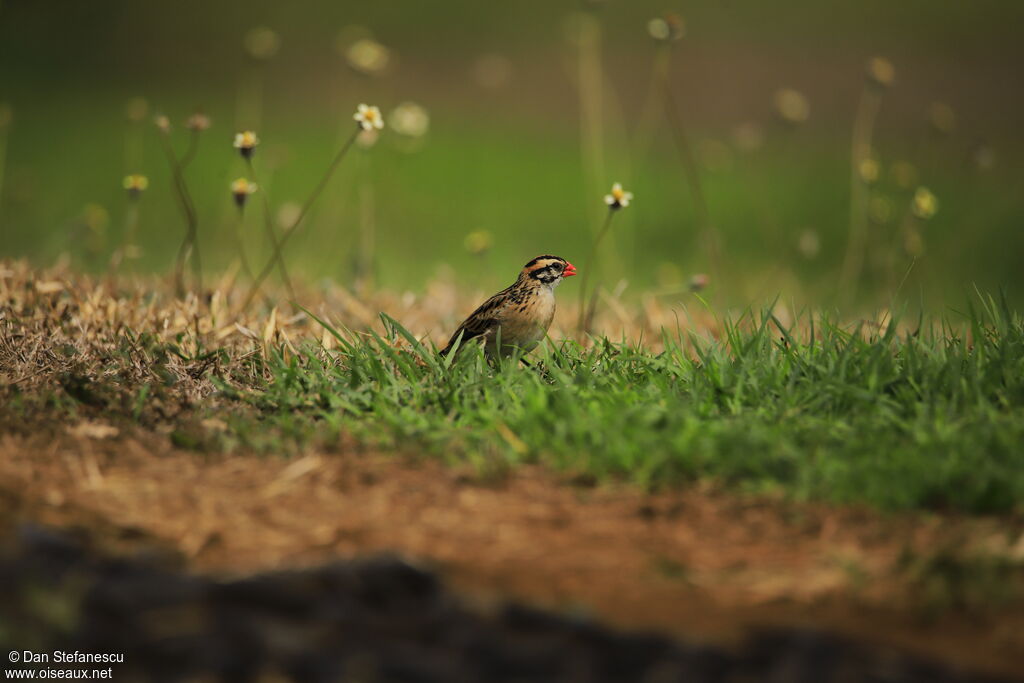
{"x":700,"y":564}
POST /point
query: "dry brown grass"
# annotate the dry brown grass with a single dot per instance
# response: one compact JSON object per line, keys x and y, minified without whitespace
{"x":57,"y":320}
{"x":100,"y":340}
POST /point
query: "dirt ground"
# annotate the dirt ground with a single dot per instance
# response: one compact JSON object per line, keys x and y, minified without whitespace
{"x":701,"y":564}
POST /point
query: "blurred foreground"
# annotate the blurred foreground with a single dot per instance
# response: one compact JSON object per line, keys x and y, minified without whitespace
{"x":374,"y":620}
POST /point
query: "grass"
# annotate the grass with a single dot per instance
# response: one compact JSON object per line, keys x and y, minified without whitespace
{"x":917,"y":414}
{"x":932,"y":418}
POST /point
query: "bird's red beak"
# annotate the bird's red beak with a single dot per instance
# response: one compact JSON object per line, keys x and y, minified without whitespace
{"x":570,"y":270}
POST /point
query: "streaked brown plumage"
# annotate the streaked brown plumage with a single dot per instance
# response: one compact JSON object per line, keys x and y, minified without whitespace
{"x":522,"y":312}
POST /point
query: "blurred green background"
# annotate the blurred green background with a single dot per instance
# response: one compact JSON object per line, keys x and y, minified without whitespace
{"x":535,"y":108}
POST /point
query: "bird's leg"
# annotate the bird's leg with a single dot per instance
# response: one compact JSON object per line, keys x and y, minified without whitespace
{"x":539,"y":368}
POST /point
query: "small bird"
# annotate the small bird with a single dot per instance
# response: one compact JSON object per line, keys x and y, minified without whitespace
{"x":522,"y":312}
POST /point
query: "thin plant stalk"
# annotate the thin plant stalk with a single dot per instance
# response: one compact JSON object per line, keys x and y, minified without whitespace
{"x":189,"y":244}
{"x":863,"y":130}
{"x":302,"y":214}
{"x":3,"y":165}
{"x":652,"y":114}
{"x":587,"y":265}
{"x":591,"y":82}
{"x":708,"y":232}
{"x":240,"y":236}
{"x":367,"y":229}
{"x":190,"y":151}
{"x":653,"y":106}
{"x":268,"y":222}
{"x":901,"y":244}
{"x":588,"y":315}
{"x":193,"y":232}
{"x":131,"y":227}
{"x":336,"y":204}
{"x":124,"y":251}
{"x":249,"y":105}
{"x":660,"y":95}
{"x":133,"y":139}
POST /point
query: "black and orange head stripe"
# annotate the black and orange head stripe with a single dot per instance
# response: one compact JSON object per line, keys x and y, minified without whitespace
{"x":545,"y":257}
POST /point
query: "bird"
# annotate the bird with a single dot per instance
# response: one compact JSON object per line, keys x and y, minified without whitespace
{"x":520,"y":314}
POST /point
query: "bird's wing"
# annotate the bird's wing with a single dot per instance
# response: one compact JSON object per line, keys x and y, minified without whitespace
{"x":481,"y":321}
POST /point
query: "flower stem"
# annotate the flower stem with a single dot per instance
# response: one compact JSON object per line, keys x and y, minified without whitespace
{"x":268,"y":223}
{"x":302,"y":214}
{"x":190,"y":151}
{"x":863,"y":127}
{"x":367,"y":230}
{"x":3,"y":165}
{"x":189,"y":244}
{"x":584,"y":318}
{"x":591,"y":97}
{"x":240,"y":235}
{"x":709,"y":235}
{"x":653,"y":107}
{"x":131,"y":225}
{"x":193,"y":233}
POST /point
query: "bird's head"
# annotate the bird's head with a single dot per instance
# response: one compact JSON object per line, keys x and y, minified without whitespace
{"x":548,"y":270}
